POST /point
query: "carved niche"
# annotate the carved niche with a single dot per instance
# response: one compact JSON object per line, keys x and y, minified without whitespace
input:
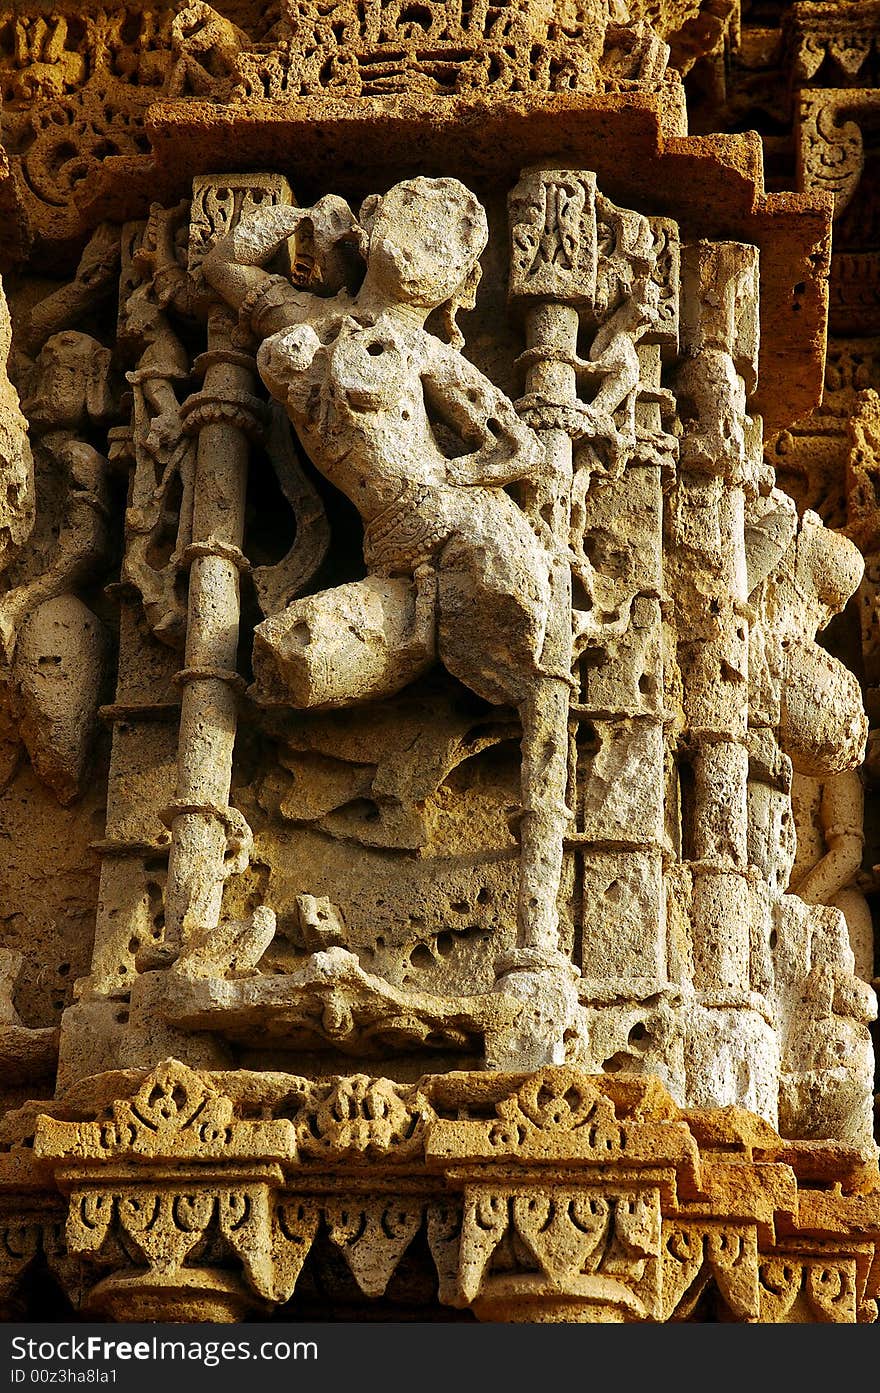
{"x":485,"y":755}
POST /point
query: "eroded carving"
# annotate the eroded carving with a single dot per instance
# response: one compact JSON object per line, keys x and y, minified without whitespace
{"x":673,"y":1207}
{"x":478,"y":703}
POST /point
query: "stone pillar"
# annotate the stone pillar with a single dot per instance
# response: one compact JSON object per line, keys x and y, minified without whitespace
{"x":732,"y":1051}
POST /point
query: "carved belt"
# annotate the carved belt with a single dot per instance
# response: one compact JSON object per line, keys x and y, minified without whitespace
{"x":407,"y":532}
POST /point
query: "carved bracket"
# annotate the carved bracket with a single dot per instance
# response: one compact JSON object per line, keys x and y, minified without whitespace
{"x":551,"y":1196}
{"x":831,"y":147}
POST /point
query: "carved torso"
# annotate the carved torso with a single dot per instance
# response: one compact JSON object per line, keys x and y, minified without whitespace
{"x":356,"y":396}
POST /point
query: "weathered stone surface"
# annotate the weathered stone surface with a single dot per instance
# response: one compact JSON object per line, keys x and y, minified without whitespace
{"x":486,"y":642}
{"x":655,"y":1206}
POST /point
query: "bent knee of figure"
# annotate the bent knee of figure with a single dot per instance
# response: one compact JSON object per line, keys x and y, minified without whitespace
{"x":358,"y":642}
{"x":492,"y":619}
{"x":286,"y":354}
{"x":860,"y":927}
{"x":59,"y":665}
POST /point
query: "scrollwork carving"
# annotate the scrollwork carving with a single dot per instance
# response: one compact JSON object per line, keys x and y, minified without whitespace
{"x":831,"y":150}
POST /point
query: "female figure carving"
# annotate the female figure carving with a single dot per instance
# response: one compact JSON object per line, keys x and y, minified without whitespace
{"x":364,"y":383}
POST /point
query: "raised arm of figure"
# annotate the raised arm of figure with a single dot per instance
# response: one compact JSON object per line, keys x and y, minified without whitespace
{"x":504,"y":447}
{"x":234,"y":265}
{"x":96,"y":278}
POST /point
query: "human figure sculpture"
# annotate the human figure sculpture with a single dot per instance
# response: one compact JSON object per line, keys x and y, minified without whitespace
{"x":829,"y":815}
{"x":17,"y":500}
{"x":615,"y":355}
{"x":69,"y":391}
{"x":363,"y":382}
{"x":628,"y":302}
{"x":165,"y":461}
{"x":52,"y":647}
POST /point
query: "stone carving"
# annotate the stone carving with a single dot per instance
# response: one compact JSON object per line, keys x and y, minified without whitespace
{"x":695,"y":1255}
{"x":26,"y":1054}
{"x":820,"y":31}
{"x":54,"y":647}
{"x":204,"y":49}
{"x":18,"y":468}
{"x":444,"y":531}
{"x":199,"y":53}
{"x":330,"y":999}
{"x":81,"y":87}
{"x":165,"y":456}
{"x":494,"y":557}
{"x":449,"y":51}
{"x":209,"y":839}
{"x":828,"y":568}
{"x":18,"y":511}
{"x":174,"y":1114}
{"x":634,"y":1236}
{"x":362,"y":1117}
{"x":49,"y":57}
{"x":831,"y":150}
{"x":361,"y":402}
{"x":579,"y":1244}
{"x":829,"y":819}
{"x":486,"y":638}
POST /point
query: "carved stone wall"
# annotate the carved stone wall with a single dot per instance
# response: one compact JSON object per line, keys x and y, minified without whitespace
{"x":805,"y":76}
{"x":436,"y":644}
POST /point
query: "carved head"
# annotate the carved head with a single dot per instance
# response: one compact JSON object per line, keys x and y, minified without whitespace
{"x":425,"y":238}
{"x":70,"y":385}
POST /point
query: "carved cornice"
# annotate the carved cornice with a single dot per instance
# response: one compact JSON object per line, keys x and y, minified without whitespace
{"x":174,"y":1116}
{"x":108,"y":110}
{"x":78,"y":85}
{"x":557,"y":1195}
{"x":847,"y":34}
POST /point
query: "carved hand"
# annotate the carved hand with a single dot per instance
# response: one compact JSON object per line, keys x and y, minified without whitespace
{"x":332,"y":225}
{"x":99,"y":262}
{"x":158,"y":243}
{"x":257,"y":238}
{"x":164,"y":432}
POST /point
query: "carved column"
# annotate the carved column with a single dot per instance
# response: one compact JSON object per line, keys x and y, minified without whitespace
{"x":143,"y":715}
{"x":516,"y":1006}
{"x":208,"y":838}
{"x":552,"y":275}
{"x":732,"y":1046}
{"x":633,"y":975}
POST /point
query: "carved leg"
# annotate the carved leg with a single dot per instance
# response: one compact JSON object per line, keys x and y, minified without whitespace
{"x":80,"y":549}
{"x":545,"y":815}
{"x":537,"y":971}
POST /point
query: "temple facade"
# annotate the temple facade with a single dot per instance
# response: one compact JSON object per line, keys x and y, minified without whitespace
{"x":439,"y":661}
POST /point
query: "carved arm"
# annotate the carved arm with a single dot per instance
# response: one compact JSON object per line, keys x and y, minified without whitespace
{"x":81,"y":546}
{"x":840,"y":814}
{"x":234,"y":265}
{"x":158,"y":255}
{"x":506,"y":448}
{"x":629,"y":322}
{"x":95,"y":277}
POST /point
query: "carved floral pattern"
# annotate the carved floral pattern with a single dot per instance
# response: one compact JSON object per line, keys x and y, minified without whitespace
{"x":624,"y":1236}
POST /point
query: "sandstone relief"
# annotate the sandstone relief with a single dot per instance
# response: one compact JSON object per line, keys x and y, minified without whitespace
{"x":437,"y":747}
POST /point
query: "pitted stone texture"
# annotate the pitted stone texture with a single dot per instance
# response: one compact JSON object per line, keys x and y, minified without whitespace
{"x":619,"y":1206}
{"x":468,"y":695}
